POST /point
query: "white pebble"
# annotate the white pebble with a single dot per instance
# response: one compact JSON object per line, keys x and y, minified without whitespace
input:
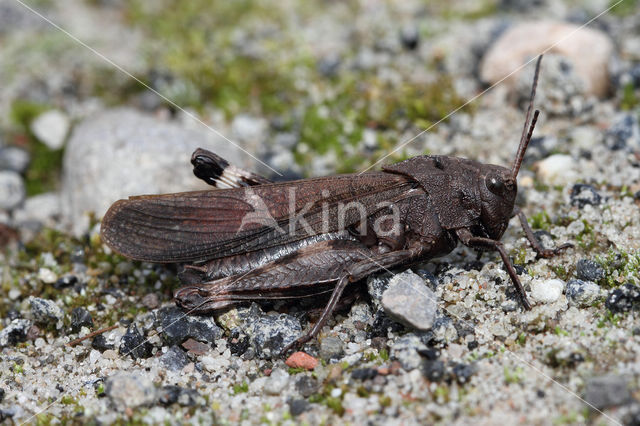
{"x":558,"y":169}
{"x":336,"y":392}
{"x":51,"y":128}
{"x":547,"y":291}
{"x":47,"y":276}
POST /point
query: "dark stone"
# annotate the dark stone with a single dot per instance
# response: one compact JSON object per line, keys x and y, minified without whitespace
{"x":582,"y":293}
{"x":298,"y":406}
{"x":540,"y":393}
{"x":174,"y":359}
{"x":410,"y":37}
{"x":66,"y":281}
{"x":473,"y":345}
{"x":177,"y":327}
{"x":80,"y":317}
{"x":269,"y":334}
{"x":100,"y":343}
{"x":588,"y":270}
{"x":623,"y":298}
{"x":364,"y":373}
{"x":381,"y":326}
{"x":307,"y":386}
{"x":7,"y":413}
{"x":464,"y":328}
{"x":13,"y":314}
{"x":431,"y":279}
{"x":582,"y":194}
{"x":15,"y":332}
{"x":238,"y":343}
{"x":430,"y":353}
{"x":463,"y":372}
{"x":433,"y":370}
{"x":168,"y":395}
{"x":2,"y":392}
{"x":624,"y":133}
{"x":134,"y":344}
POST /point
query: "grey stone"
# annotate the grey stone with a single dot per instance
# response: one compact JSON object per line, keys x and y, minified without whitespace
{"x":376,"y":285}
{"x":174,"y":359}
{"x":410,"y":301}
{"x":331,"y":347}
{"x":247,"y":128}
{"x":177,"y":326}
{"x":582,"y":293}
{"x":269,"y":334}
{"x":624,"y":132}
{"x":607,"y":391}
{"x":526,"y":40}
{"x":12,"y":191}
{"x":14,"y":159}
{"x":44,"y":310}
{"x":405,"y":350}
{"x":589,"y":270}
{"x":122,"y":152}
{"x":130,"y":390}
{"x":41,"y":208}
{"x":307,"y":386}
{"x":80,"y":317}
{"x":51,"y":128}
{"x":15,"y":332}
{"x":276,"y":382}
{"x":134,"y":344}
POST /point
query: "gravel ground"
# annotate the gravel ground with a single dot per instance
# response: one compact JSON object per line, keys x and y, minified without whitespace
{"x":443,"y":342}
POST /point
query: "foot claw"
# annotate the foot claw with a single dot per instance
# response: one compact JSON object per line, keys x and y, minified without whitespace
{"x":547,"y":253}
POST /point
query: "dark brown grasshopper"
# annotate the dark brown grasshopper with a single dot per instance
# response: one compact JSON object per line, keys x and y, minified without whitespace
{"x":260,"y":240}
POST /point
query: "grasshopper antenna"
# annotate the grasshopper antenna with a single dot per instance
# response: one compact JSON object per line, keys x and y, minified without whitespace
{"x":526,"y":136}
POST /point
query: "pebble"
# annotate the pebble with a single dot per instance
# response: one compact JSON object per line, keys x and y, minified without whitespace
{"x":547,"y":291}
{"x":582,"y":195}
{"x":301,"y":360}
{"x":130,"y":390}
{"x":376,"y":285}
{"x":116,"y":153}
{"x":134,"y":344}
{"x":526,"y":40}
{"x":171,"y":394}
{"x":463,"y":372}
{"x":607,"y":391}
{"x":177,"y":326}
{"x":174,"y":359}
{"x":65,"y":281}
{"x":150,"y":301}
{"x":100,"y":343}
{"x":331,"y":347}
{"x":298,"y":406}
{"x":307,"y":386}
{"x":364,"y":373}
{"x":14,"y":159}
{"x":409,"y":37}
{"x":80,"y":317}
{"x":47,"y":276}
{"x":269,"y":334}
{"x":623,"y":298}
{"x":433,"y":370}
{"x":195,"y":347}
{"x":12,"y":191}
{"x":51,"y":128}
{"x":589,"y":270}
{"x":405,"y":349}
{"x":410,"y":301}
{"x":15,"y":332}
{"x":582,"y":293}
{"x":277,"y":381}
{"x":44,"y":310}
{"x":249,"y":129}
{"x":557,"y":169}
{"x":624,"y":133}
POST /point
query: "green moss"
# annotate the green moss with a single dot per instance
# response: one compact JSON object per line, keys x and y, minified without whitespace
{"x":624,"y":8}
{"x":240,"y":388}
{"x":512,"y":376}
{"x":620,"y":267}
{"x":630,"y":98}
{"x":67,"y":400}
{"x":296,"y":370}
{"x":384,"y":354}
{"x":384,"y":400}
{"x":587,"y":239}
{"x":540,"y":220}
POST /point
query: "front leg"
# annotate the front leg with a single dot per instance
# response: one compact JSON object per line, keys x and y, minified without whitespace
{"x":470,"y":240}
{"x":535,"y":244}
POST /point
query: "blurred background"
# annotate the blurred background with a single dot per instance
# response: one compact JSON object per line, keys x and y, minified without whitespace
{"x":304,"y":88}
